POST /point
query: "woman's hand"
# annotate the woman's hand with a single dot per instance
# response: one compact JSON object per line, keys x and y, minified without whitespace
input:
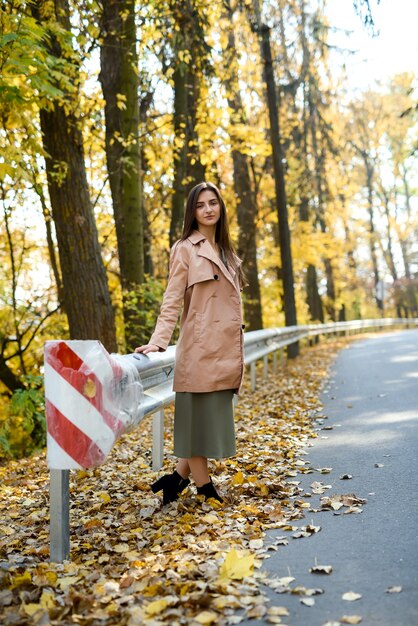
{"x":149,"y":347}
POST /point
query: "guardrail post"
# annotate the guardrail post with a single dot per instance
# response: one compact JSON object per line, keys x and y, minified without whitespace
{"x":266,"y":366}
{"x":253,"y":376}
{"x":275,"y":361}
{"x":59,"y":515}
{"x":158,"y":439}
{"x":281,"y":356}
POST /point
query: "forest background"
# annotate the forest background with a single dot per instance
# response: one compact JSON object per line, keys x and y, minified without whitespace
{"x":112,"y":110}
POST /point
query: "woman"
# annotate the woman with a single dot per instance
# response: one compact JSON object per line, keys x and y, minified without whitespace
{"x":206,"y":278}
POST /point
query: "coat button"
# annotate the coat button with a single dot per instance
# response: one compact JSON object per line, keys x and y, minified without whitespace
{"x":216,"y":277}
{"x":243,"y":326}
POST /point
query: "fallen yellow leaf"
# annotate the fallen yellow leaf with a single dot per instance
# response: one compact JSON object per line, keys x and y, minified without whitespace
{"x":32,"y":608}
{"x":278,"y":610}
{"x":20,"y":580}
{"x":207,"y":617}
{"x":67,"y":581}
{"x":156,"y":607}
{"x":153,"y":590}
{"x":251,"y":509}
{"x":104,"y":496}
{"x":120,"y":548}
{"x":238,"y":479}
{"x":52,"y":578}
{"x":235,"y":566}
{"x":47,"y":600}
{"x":112,"y":608}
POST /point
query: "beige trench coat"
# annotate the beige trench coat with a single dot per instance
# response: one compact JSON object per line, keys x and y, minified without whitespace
{"x":209,"y":352}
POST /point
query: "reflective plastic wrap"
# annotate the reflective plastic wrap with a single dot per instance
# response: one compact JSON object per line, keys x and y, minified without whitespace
{"x":91,"y":398}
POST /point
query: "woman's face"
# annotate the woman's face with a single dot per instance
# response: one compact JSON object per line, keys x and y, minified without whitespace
{"x":208,"y":208}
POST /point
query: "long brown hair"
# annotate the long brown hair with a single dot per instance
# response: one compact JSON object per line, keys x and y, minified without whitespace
{"x":222,"y":236}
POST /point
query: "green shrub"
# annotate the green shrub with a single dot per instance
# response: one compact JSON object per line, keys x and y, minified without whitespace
{"x":146,"y":301}
{"x":23,"y":430}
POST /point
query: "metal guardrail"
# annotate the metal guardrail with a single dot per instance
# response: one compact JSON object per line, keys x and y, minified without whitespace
{"x":157,"y":371}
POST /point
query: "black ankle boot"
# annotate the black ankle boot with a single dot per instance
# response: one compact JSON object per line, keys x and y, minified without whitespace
{"x":172,"y":485}
{"x":209,"y":491}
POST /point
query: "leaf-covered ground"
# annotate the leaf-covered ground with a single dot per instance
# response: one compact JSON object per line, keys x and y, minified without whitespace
{"x":192,"y":562}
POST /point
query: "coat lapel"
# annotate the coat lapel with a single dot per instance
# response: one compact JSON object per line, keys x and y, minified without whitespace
{"x":209,"y":253}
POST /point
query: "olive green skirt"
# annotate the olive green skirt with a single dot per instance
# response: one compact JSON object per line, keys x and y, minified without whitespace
{"x":204,"y":424}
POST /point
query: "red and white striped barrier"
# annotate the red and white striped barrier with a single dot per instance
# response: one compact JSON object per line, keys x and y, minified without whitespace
{"x":91,"y":397}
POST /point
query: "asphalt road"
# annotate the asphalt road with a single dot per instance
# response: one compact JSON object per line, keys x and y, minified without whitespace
{"x":371,"y":403}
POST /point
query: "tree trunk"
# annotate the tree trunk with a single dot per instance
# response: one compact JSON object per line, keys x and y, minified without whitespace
{"x":313,"y":298}
{"x":148,"y":263}
{"x":188,"y":169}
{"x":330,"y":304}
{"x":144,"y":106}
{"x":405,"y":257}
{"x":319,"y":167}
{"x":195,"y":170}
{"x":388,"y":253}
{"x":284,"y":232}
{"x":8,"y":378}
{"x":52,"y":255}
{"x":247,"y":244}
{"x":180,"y":152}
{"x":87,"y":299}
{"x":350,"y":244}
{"x":405,"y":248}
{"x":246,"y":206}
{"x":372,"y":236}
{"x":119,"y":80}
{"x":53,"y":260}
{"x":404,"y":243}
